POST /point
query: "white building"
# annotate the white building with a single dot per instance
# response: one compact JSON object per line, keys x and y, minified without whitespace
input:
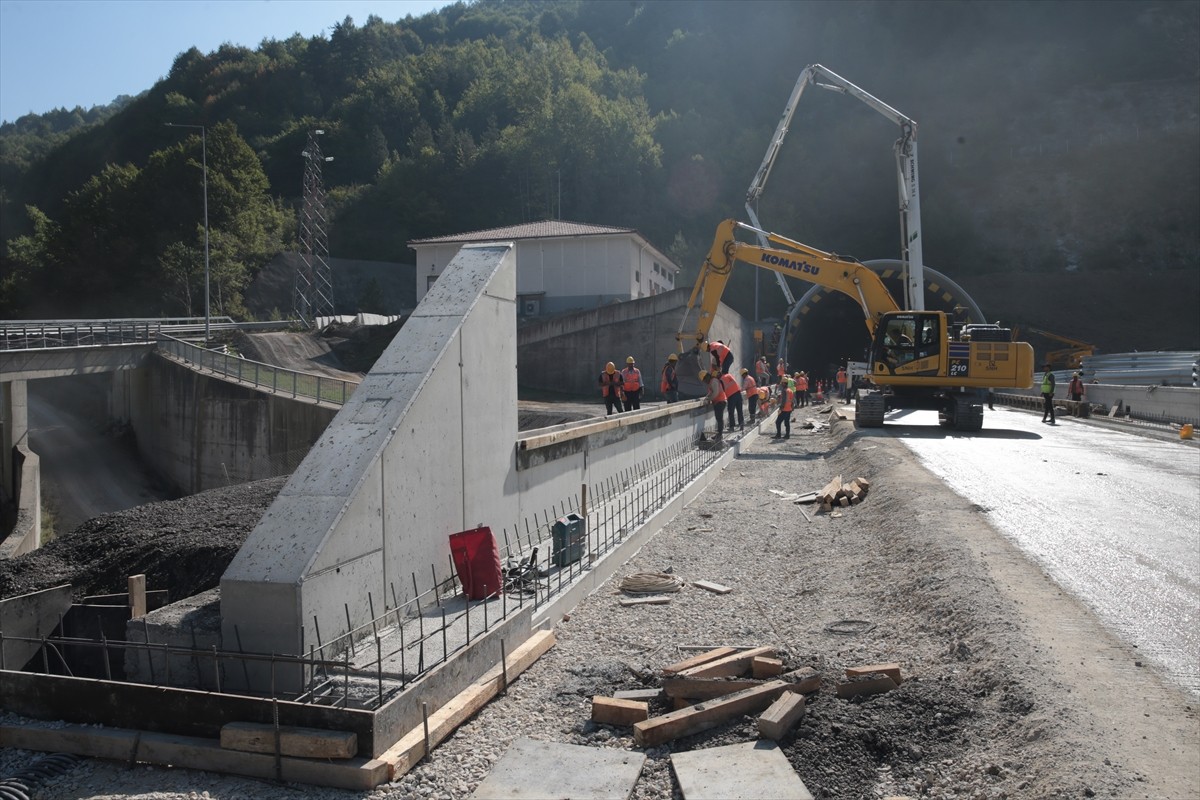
{"x":562,"y":265}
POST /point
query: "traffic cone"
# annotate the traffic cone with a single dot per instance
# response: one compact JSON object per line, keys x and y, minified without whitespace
{"x":820,"y":391}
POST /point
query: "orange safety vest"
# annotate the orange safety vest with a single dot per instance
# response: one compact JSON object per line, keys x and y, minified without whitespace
{"x":730,"y":386}
{"x":802,"y":383}
{"x":718,"y":351}
{"x":665,"y":384}
{"x":749,"y":386}
{"x":763,"y":395}
{"x":609,"y":383}
{"x":841,"y":376}
{"x":631,"y":378}
{"x":780,"y":369}
{"x":788,"y":399}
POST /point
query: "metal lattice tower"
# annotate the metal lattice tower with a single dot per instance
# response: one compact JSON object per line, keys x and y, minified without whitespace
{"x":313,"y":295}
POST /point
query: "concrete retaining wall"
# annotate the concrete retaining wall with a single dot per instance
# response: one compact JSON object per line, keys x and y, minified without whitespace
{"x":423,"y":449}
{"x":566,"y":354}
{"x":26,"y":534}
{"x":200,"y":433}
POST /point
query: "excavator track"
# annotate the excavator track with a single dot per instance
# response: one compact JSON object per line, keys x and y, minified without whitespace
{"x":868,"y":410}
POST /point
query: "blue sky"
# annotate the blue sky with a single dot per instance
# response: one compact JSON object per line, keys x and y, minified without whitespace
{"x":67,"y":53}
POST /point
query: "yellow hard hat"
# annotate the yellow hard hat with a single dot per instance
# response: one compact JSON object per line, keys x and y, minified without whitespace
{"x":610,"y":367}
{"x":672,"y":357}
{"x":629,"y":359}
{"x":745,"y":371}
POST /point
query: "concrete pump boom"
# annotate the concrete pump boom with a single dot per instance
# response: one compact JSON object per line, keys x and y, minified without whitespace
{"x":906,"y":167}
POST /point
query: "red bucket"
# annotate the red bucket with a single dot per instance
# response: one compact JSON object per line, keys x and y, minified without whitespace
{"x":477,"y":561}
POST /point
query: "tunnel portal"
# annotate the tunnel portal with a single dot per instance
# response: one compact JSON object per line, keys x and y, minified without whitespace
{"x":825,"y":328}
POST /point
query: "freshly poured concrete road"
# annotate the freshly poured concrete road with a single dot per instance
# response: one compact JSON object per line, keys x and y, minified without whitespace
{"x":1113,"y":517}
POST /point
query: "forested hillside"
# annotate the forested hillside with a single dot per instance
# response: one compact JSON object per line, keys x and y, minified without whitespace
{"x":1054,"y":138}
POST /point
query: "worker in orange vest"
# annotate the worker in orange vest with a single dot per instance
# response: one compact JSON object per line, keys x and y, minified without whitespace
{"x":716,"y":396}
{"x":780,"y":369}
{"x":733,"y":401}
{"x":669,"y":385}
{"x":841,"y":382}
{"x":722,"y":356}
{"x":787,"y":401}
{"x":610,"y":388}
{"x":750,"y":391}
{"x":631,"y":385}
{"x":764,"y":401}
{"x":802,"y":388}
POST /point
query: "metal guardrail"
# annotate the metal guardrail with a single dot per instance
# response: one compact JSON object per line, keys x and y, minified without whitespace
{"x":50,"y":334}
{"x":1158,"y":368}
{"x":261,"y":376}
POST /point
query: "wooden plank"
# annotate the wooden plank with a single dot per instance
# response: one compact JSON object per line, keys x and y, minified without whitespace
{"x":730,"y":666}
{"x":863,"y":482}
{"x":829,"y":493}
{"x":404,"y":754}
{"x":891,"y":669}
{"x":658,"y":600}
{"x":765,"y":667}
{"x":704,"y":688}
{"x":137,"y":596}
{"x":782,"y":716}
{"x":125,"y":745}
{"x":697,"y":660}
{"x":613,"y":711}
{"x":803,"y":680}
{"x":638,"y":694}
{"x":863,"y":688}
{"x":703,"y":716}
{"x":709,"y":586}
{"x":256,"y":737}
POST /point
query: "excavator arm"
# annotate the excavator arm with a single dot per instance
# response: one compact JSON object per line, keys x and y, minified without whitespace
{"x":787,"y":257}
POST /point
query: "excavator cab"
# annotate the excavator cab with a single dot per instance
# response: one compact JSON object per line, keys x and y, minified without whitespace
{"x":908,"y":343}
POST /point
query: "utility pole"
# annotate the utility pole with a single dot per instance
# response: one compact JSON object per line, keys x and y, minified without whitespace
{"x":313,"y":295}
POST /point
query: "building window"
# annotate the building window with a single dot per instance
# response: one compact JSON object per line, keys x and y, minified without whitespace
{"x":637,"y":277}
{"x":656,"y":270}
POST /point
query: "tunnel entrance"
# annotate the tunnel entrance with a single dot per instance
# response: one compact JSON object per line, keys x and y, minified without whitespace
{"x":826,"y":328}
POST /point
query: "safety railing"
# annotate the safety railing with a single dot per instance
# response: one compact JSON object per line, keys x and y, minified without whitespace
{"x":261,"y":376}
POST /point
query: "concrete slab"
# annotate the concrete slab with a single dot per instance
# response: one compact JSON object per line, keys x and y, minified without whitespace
{"x":746,"y":771}
{"x":533,"y":770}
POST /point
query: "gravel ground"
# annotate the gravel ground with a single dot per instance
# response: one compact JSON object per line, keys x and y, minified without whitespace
{"x":986,"y":711}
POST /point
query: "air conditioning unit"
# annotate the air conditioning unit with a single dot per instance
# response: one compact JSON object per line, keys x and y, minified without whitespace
{"x":531,"y":308}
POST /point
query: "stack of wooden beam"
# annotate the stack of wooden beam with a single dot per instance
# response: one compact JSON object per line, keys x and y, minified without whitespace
{"x":837,"y":493}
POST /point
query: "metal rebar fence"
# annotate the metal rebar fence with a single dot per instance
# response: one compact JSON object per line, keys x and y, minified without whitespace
{"x":261,"y":376}
{"x":413,"y":630}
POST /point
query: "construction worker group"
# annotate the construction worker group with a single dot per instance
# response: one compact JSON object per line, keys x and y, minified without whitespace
{"x":733,"y":399}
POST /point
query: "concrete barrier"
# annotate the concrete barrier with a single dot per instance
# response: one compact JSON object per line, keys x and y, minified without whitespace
{"x":1166,"y":404}
{"x":26,"y":534}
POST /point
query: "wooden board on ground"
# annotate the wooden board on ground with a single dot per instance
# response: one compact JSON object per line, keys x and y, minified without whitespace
{"x":765,"y":667}
{"x":638,"y":694}
{"x":782,"y":716}
{"x":698,"y":659}
{"x":703,"y":716}
{"x":891,"y":669}
{"x":614,"y":711}
{"x":744,"y":771}
{"x":704,"y":688}
{"x":803,"y":680}
{"x":730,"y":666}
{"x":256,"y":737}
{"x":657,"y":600}
{"x":404,"y":754}
{"x":541,"y":770}
{"x":120,"y":744}
{"x":829,"y":493}
{"x":709,"y":586}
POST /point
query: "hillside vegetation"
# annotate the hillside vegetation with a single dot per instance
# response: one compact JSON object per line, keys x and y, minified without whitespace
{"x":1055,"y":139}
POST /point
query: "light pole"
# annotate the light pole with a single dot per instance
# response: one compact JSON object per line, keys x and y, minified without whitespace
{"x":204,"y":167}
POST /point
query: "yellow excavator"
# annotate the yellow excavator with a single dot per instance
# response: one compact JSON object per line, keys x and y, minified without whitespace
{"x":918,"y":359}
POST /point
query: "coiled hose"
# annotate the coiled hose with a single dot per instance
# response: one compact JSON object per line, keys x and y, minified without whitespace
{"x":22,"y":785}
{"x":650,"y":583}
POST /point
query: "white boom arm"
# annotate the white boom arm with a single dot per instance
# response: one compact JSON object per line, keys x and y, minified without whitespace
{"x":906,"y":168}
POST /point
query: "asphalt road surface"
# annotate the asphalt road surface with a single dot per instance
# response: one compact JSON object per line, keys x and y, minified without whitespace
{"x":1112,"y":516}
